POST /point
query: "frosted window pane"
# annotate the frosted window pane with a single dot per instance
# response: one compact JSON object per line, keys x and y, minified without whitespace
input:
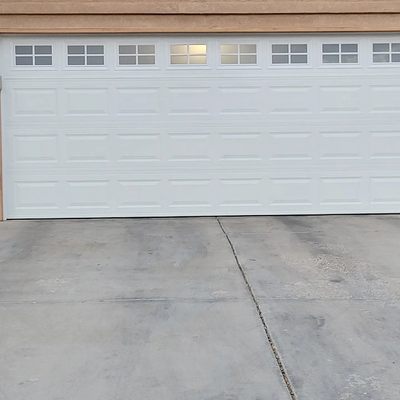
{"x":43,"y":60}
{"x":197,"y":60}
{"x":330,"y":58}
{"x":43,"y":50}
{"x":280,"y":48}
{"x":95,"y":49}
{"x":349,"y":58}
{"x":146,"y":60}
{"x":95,"y":60}
{"x":24,"y":60}
{"x":76,"y":49}
{"x":395,"y":57}
{"x":381,"y":58}
{"x":298,"y":48}
{"x":24,"y":50}
{"x":127,"y":60}
{"x":127,"y":49}
{"x":76,"y":60}
{"x":197,"y":49}
{"x":179,"y":59}
{"x":146,"y":49}
{"x":248,"y":48}
{"x":381,"y":47}
{"x":229,"y":48}
{"x":229,"y":59}
{"x":282,"y":59}
{"x":248,"y":59}
{"x":298,"y":59}
{"x":349,"y":48}
{"x":178,"y":49}
{"x":396,"y":47}
{"x":330,"y":48}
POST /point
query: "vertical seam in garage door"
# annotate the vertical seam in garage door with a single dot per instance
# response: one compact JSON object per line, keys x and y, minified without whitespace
{"x":267,"y":331}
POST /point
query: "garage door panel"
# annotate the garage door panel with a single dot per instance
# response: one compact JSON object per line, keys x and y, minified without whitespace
{"x":145,"y":147}
{"x":241,"y":100}
{"x":35,"y":149}
{"x":88,"y":194}
{"x":28,"y":197}
{"x":188,"y":100}
{"x":341,"y":145}
{"x":385,"y":190}
{"x":385,"y":98}
{"x":288,"y":100}
{"x":165,"y":140}
{"x":241,"y":145}
{"x":190,"y":193}
{"x":34,"y":102}
{"x":341,"y":99}
{"x":385,"y":144}
{"x":289,"y":193}
{"x":87,"y":148}
{"x":138,"y":101}
{"x":348,"y":192}
{"x":138,"y":195}
{"x":290,"y":145}
{"x":86,"y":102}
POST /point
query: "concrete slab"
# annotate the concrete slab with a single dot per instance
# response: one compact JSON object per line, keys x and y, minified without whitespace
{"x":169,"y":350}
{"x":329,"y":290}
{"x":319,"y":257}
{"x":128,"y":309}
{"x":338,"y":349}
{"x":121,"y":258}
{"x":157,"y":308}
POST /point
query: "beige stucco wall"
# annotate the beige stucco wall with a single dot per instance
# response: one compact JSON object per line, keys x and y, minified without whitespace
{"x":174,"y":16}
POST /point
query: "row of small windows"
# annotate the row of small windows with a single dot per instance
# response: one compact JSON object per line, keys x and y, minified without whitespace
{"x":196,"y":54}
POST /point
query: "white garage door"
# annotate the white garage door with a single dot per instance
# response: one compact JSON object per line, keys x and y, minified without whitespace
{"x":168,"y":126}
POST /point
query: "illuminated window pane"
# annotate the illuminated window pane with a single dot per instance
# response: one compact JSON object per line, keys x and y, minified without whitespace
{"x":229,"y":48}
{"x":197,"y":49}
{"x":179,"y":49}
{"x":229,"y":59}
{"x":248,"y":48}
{"x":179,"y":59}
{"x":197,"y":60}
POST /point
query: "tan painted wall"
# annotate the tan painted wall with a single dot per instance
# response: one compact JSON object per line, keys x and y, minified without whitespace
{"x":197,"y":6}
{"x":199,"y":24}
{"x":198,"y":16}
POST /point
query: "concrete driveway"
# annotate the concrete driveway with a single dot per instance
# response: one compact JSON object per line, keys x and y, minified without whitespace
{"x":255,"y":308}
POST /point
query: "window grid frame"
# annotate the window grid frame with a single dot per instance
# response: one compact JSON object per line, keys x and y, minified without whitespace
{"x":137,"y":54}
{"x":341,"y":53}
{"x":363,"y":54}
{"x":188,"y":55}
{"x":390,"y":53}
{"x":85,"y":54}
{"x":33,"y":55}
{"x":289,"y":54}
{"x":238,"y":54}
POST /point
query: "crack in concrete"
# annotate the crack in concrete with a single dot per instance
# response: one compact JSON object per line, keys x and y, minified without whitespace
{"x":273,"y":346}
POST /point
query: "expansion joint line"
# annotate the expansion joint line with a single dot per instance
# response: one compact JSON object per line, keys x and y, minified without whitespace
{"x":267,"y":331}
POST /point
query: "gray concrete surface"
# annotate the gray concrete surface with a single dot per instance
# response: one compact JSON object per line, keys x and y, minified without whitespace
{"x":329,"y":288}
{"x":159,"y":309}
